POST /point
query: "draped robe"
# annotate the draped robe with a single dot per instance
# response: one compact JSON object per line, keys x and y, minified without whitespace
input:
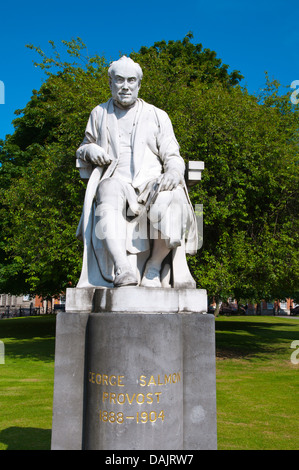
{"x":155,"y":151}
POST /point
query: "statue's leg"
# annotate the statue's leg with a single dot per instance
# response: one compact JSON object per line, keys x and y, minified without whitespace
{"x":151,"y":276}
{"x":111,"y":228}
{"x":168,"y":217}
{"x":161,"y":246}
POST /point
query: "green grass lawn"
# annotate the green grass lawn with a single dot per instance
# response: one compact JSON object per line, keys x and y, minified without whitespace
{"x":257,"y":384}
{"x":26,"y":382}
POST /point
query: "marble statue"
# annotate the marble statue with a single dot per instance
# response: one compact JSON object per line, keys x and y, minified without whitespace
{"x":137,"y":222}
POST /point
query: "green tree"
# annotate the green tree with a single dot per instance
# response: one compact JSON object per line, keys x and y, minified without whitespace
{"x":249,"y":145}
{"x":41,"y":189}
{"x":249,"y":191}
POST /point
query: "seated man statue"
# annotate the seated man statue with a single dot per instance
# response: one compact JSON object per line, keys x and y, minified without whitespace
{"x":136,"y":199}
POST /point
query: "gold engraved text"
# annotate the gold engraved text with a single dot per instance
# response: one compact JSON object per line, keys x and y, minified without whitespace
{"x":102,"y":379}
{"x":139,"y":398}
{"x":159,"y":379}
{"x":140,"y":417}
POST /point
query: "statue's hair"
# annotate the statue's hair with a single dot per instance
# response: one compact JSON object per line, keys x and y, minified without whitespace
{"x":124,"y":58}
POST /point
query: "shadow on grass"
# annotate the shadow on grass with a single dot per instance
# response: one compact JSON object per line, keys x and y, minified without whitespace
{"x":246,"y":339}
{"x":16,"y":438}
{"x":28,"y":327}
{"x":41,"y":349}
{"x":31,"y":337}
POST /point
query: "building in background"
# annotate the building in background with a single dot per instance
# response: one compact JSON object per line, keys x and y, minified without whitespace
{"x":275,"y":307}
{"x":24,"y":305}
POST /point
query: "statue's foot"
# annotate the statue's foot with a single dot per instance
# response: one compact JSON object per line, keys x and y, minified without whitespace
{"x":151,"y":277}
{"x":125,"y":277}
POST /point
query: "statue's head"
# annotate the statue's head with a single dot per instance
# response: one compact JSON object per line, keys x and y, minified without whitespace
{"x":125,"y":77}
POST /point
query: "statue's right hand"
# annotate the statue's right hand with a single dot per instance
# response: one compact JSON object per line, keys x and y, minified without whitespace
{"x":97,"y":155}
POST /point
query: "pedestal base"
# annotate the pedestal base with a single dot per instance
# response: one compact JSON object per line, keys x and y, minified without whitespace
{"x":135,"y":369}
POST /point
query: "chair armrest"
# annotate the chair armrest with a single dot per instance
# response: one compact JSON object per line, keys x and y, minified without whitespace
{"x":193,"y":172}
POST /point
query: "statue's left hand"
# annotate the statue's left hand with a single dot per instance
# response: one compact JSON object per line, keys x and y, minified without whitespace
{"x":170,"y":180}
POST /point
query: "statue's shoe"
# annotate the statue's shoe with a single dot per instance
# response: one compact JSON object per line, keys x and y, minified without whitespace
{"x":151,"y":277}
{"x":125,"y":277}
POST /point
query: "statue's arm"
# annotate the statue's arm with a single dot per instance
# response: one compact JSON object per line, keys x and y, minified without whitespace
{"x":89,"y":151}
{"x":169,"y":150}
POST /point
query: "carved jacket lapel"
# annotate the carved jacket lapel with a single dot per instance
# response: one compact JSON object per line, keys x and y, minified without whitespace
{"x":139,"y":136}
{"x":109,"y":129}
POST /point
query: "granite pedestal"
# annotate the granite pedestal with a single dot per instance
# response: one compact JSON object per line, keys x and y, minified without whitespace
{"x":135,"y":369}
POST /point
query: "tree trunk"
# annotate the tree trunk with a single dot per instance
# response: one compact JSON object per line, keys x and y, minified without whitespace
{"x":217,"y":309}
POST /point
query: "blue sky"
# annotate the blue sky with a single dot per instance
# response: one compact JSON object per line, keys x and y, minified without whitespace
{"x":250,"y":36}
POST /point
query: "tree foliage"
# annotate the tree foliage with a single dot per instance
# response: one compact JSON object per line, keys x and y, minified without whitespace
{"x":248,"y":190}
{"x":41,"y":189}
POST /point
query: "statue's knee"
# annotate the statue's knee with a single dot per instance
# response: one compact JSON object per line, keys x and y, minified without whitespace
{"x":109,"y":186}
{"x":109,"y":191}
{"x":160,"y":206}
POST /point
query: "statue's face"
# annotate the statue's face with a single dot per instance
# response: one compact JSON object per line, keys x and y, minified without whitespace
{"x":124,"y":85}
